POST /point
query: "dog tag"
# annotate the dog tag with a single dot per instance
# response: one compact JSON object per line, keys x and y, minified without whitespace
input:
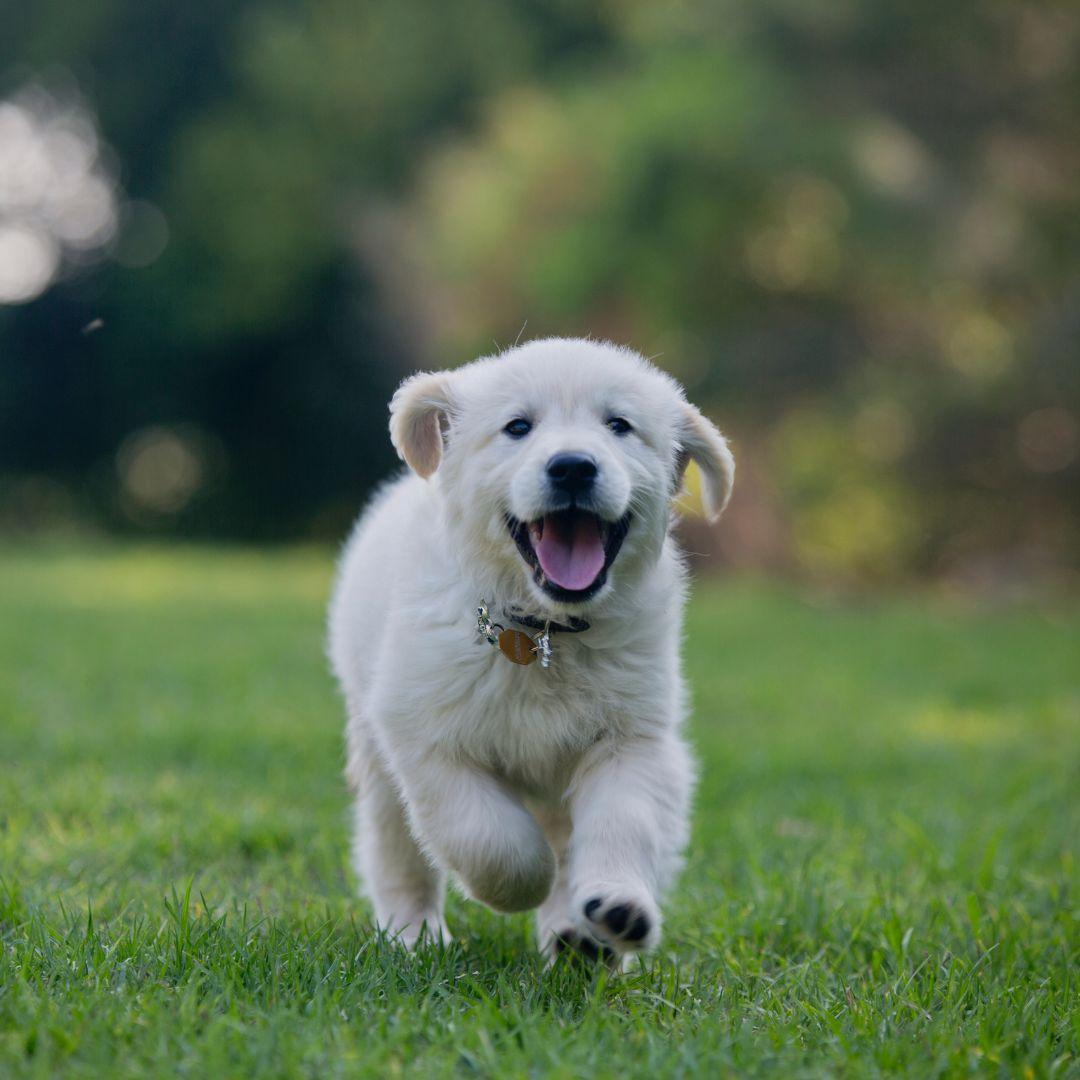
{"x":517,"y":646}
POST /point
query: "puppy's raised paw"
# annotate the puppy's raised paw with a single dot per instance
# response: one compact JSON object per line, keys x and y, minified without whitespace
{"x":627,"y":921}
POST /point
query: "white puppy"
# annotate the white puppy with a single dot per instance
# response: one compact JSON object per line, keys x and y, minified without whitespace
{"x":541,"y":484}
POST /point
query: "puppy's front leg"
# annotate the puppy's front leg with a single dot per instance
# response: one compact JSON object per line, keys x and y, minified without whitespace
{"x":473,"y":826}
{"x":629,"y":805}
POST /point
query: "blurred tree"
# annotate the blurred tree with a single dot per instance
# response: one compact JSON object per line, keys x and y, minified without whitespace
{"x":257,"y":339}
{"x":839,"y":224}
{"x":851,"y":229}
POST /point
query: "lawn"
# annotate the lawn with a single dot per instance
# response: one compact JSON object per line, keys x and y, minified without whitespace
{"x":881,"y":880}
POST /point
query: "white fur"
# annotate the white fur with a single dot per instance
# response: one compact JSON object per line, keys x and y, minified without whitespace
{"x":529,"y":787}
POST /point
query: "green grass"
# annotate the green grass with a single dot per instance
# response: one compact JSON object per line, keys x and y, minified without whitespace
{"x":881,"y":878}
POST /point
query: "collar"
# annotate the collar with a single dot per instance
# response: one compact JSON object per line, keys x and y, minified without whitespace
{"x":534,"y":622}
{"x":516,"y":645}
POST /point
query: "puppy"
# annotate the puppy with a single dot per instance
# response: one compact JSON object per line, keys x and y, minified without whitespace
{"x":532,"y":754}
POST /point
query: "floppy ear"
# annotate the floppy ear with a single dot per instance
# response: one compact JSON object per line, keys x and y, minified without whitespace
{"x":419,"y":410}
{"x":700,"y":441}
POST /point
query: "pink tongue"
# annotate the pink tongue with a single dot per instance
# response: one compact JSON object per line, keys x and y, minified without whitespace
{"x":571,"y":551}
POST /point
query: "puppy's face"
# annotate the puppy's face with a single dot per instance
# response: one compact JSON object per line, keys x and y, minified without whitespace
{"x":558,"y":461}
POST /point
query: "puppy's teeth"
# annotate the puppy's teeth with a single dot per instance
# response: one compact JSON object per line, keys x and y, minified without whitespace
{"x":536,"y":531}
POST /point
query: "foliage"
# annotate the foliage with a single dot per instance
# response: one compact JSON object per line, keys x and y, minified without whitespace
{"x":817,"y":240}
{"x":851,"y":230}
{"x":880,"y":882}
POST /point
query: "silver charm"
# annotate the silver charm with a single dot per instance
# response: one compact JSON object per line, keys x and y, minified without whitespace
{"x":543,"y":646}
{"x":485,"y":627}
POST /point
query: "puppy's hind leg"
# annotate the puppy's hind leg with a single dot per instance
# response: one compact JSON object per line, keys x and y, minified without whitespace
{"x":406,"y":891}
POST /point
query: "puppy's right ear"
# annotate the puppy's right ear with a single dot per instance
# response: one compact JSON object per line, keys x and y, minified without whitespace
{"x":419,"y":411}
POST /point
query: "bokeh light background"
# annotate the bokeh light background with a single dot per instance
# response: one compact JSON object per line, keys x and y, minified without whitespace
{"x":229,"y":227}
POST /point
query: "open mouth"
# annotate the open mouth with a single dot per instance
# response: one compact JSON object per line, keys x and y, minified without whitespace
{"x":569,"y":551}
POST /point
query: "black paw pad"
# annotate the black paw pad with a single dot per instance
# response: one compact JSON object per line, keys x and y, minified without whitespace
{"x":570,"y":942}
{"x":589,"y":949}
{"x":618,"y":917}
{"x":564,"y":941}
{"x":623,"y":921}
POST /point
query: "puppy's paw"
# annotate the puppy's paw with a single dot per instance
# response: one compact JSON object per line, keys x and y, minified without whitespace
{"x":509,"y":878}
{"x":571,"y":943}
{"x":627,"y":919}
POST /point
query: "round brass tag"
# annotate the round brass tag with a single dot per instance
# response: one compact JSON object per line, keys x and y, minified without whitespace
{"x":517,"y":646}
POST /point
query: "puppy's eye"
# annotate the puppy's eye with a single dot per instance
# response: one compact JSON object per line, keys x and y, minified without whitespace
{"x":620,"y":425}
{"x":518,"y":428}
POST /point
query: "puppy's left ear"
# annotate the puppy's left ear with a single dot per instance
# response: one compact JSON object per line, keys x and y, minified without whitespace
{"x":700,"y":441}
{"x":419,"y":411}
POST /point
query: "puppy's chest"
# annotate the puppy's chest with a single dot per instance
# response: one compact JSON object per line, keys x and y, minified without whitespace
{"x":532,"y":722}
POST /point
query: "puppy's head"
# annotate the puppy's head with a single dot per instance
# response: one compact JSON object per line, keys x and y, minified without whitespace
{"x":557,"y":462}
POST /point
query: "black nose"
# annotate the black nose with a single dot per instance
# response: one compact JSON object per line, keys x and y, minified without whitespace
{"x":572,"y":474}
